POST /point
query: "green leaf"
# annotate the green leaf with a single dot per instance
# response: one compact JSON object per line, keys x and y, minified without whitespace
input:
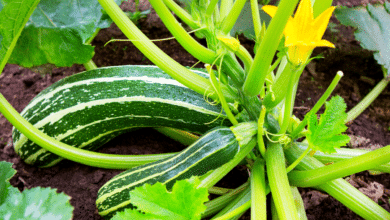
{"x":135,"y":214}
{"x":13,"y":17}
{"x":32,"y":204}
{"x":57,"y":33}
{"x":37,"y":204}
{"x":373,"y":29}
{"x":184,"y":202}
{"x":325,"y":135}
{"x":6,"y":173}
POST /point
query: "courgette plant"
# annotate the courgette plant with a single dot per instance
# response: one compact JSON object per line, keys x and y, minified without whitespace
{"x":243,"y":114}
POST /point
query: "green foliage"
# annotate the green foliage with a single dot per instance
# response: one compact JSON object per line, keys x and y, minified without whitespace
{"x":136,"y":16}
{"x":373,"y":29}
{"x":325,"y":135}
{"x":6,"y":173}
{"x":13,"y":17}
{"x":156,"y":202}
{"x":31,"y":204}
{"x":59,"y":36}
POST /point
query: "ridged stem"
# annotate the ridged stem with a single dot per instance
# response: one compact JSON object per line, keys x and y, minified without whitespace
{"x":219,"y":203}
{"x":341,"y":189}
{"x":231,"y":18}
{"x":265,"y":52}
{"x":258,"y":191}
{"x":72,"y":153}
{"x":278,"y":182}
{"x":181,"y":13}
{"x":242,"y":198}
{"x":189,"y":43}
{"x":211,"y":7}
{"x":340,"y":169}
{"x":235,"y":212}
{"x":256,"y":18}
{"x":343,"y":154}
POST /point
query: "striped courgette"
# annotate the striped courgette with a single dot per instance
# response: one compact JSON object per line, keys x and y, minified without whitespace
{"x":212,"y":150}
{"x":88,"y":109}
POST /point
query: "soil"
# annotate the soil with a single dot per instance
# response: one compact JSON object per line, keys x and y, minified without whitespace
{"x":81,"y":182}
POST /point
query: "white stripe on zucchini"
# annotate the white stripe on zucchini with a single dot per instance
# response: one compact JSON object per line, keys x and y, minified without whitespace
{"x":209,"y":152}
{"x":90,"y":108}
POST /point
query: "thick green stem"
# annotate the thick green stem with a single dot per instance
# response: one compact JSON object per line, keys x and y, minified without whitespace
{"x":243,"y":198}
{"x":231,"y":18}
{"x":157,"y":56}
{"x":189,"y":43}
{"x":89,"y":41}
{"x":341,"y":189}
{"x":340,"y":169}
{"x":279,"y":90}
{"x":265,"y":52}
{"x":226,"y":6}
{"x":370,"y":97}
{"x":318,"y":105}
{"x":258,"y":191}
{"x":298,"y":160}
{"x":299,"y":203}
{"x":233,"y":69}
{"x":343,"y":154}
{"x":235,"y":212}
{"x":219,"y":203}
{"x":211,"y":7}
{"x":181,"y":13}
{"x":278,"y":182}
{"x":72,"y":153}
{"x":256,"y":18}
{"x":90,"y":65}
{"x":289,"y":102}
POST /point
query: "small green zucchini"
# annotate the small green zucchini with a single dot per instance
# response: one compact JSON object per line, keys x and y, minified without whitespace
{"x":212,"y":150}
{"x":88,"y":109}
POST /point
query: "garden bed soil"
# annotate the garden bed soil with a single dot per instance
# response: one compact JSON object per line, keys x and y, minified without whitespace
{"x":81,"y":182}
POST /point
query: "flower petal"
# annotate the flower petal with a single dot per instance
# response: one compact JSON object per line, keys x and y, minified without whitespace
{"x":303,"y":18}
{"x":321,"y":22}
{"x":270,"y":10}
{"x":324,"y":43}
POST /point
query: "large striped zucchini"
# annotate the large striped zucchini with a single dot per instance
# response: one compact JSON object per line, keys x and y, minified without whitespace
{"x":90,"y":108}
{"x":212,"y":150}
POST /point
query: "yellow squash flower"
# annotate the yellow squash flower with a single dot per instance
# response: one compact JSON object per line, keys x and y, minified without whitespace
{"x":303,"y":33}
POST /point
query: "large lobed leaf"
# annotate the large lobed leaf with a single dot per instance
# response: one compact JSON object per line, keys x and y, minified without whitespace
{"x":31,"y":204}
{"x":57,"y":33}
{"x":373,"y":29}
{"x":325,"y":135}
{"x":185,"y":202}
